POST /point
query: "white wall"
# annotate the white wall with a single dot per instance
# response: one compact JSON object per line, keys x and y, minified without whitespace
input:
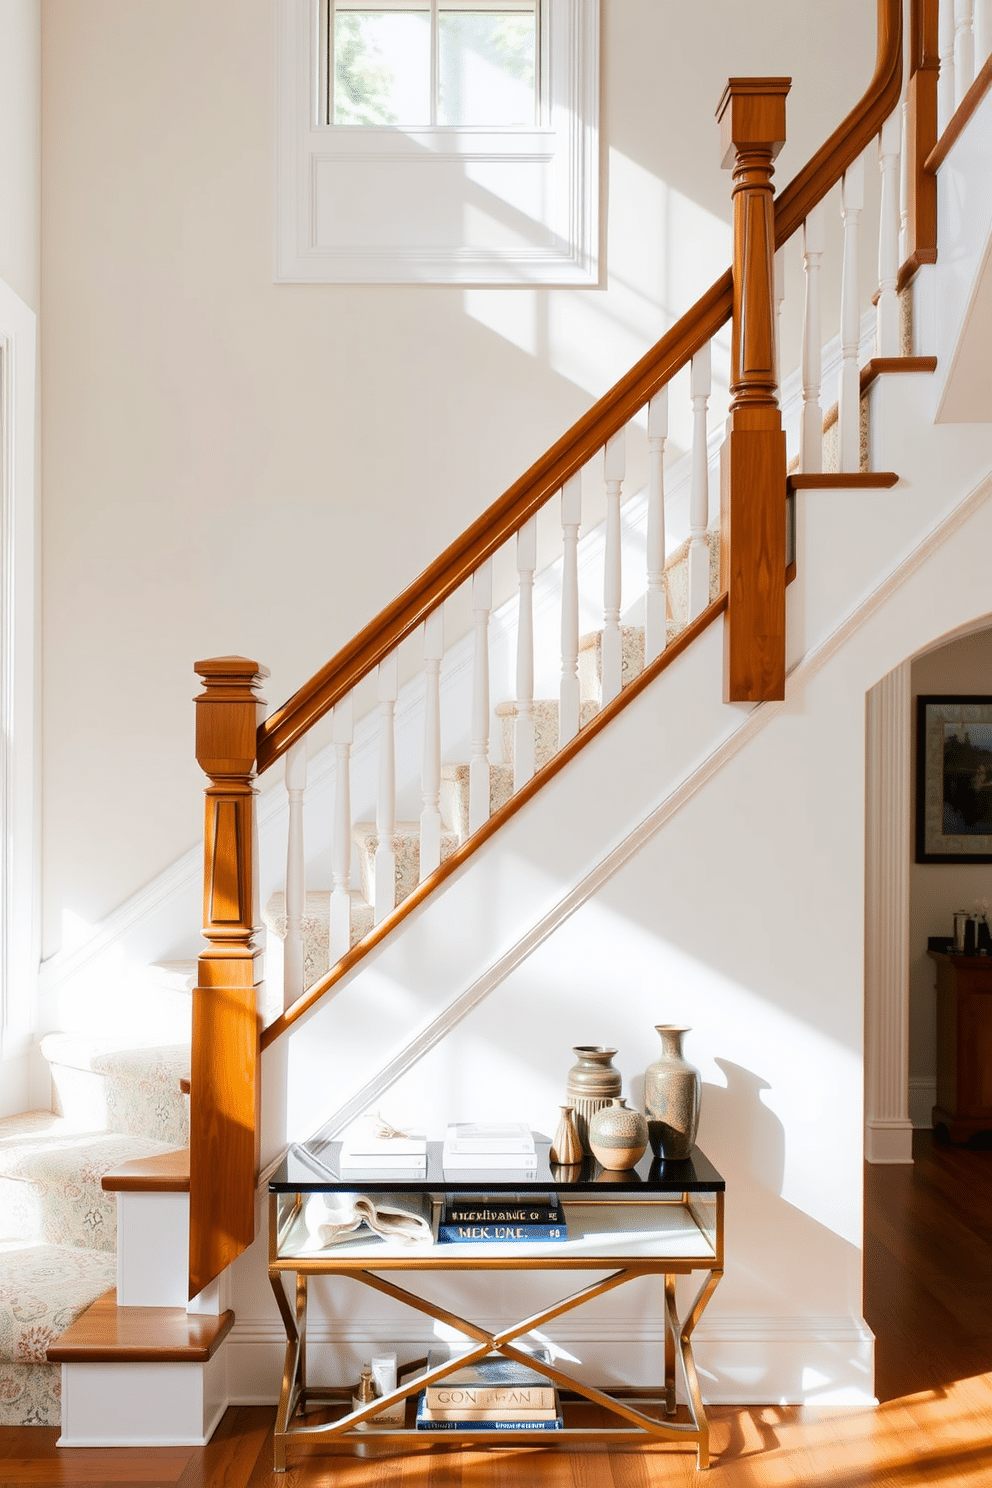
{"x":20,"y":148}
{"x":936,"y":890}
{"x":192,"y":407}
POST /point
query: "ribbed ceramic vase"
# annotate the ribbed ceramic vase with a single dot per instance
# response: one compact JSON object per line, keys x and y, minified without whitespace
{"x":567,"y":1149}
{"x":592,"y":1084}
{"x":618,"y":1136}
{"x":672,"y":1089}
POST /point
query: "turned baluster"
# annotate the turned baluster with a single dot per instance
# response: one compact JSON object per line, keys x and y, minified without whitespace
{"x":523,"y":722}
{"x":887,"y":332}
{"x":753,"y":515}
{"x":611,"y":655}
{"x":430,"y":816}
{"x":811,"y":423}
{"x":700,"y":383}
{"x":656,"y":598}
{"x":571,"y":517}
{"x":296,"y":784}
{"x":478,"y":770}
{"x":946,"y":89}
{"x":849,"y":395}
{"x":342,"y":736}
{"x":384,"y":868}
{"x":224,"y":1074}
{"x":964,"y":48}
{"x":982,"y":33}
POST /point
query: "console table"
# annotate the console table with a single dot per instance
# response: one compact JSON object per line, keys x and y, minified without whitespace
{"x":658,"y":1219}
{"x":964,"y":1044}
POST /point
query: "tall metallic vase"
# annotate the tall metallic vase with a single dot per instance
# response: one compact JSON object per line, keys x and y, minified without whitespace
{"x":592,"y":1084}
{"x":672,"y":1089}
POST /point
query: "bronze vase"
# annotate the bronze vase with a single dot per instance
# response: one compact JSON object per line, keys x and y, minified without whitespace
{"x":592,"y":1084}
{"x":567,"y":1148}
{"x":672,"y":1088}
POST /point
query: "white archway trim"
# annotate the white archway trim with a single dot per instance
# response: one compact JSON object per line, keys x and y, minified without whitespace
{"x":18,"y":796}
{"x":888,"y":1129}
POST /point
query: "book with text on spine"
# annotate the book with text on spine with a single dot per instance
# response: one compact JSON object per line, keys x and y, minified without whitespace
{"x":491,"y":1382}
{"x":509,"y":1208}
{"x":509,"y":1234}
{"x":432,"y":1422}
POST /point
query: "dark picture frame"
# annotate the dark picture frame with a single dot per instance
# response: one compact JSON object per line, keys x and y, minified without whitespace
{"x":954,"y":779}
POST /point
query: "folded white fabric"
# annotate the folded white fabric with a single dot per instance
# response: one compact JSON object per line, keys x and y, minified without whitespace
{"x":333,"y":1217}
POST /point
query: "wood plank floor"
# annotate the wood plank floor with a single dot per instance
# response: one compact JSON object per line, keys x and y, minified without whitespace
{"x":928,"y":1296}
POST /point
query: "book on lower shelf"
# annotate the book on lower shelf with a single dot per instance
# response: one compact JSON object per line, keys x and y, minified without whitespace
{"x":430,"y":1420}
{"x":491,"y":1383}
{"x":502,"y":1208}
{"x":501,"y":1234}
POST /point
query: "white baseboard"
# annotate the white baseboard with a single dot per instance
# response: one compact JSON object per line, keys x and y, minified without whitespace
{"x":741,"y":1361}
{"x":888,"y":1142}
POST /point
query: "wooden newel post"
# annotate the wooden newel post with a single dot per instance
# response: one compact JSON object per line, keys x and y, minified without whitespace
{"x":752,"y":475}
{"x":225,"y":1054}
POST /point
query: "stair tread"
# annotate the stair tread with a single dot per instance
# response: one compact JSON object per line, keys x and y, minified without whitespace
{"x":106,"y":1333}
{"x":118,"y":1056}
{"x":163,"y":1172}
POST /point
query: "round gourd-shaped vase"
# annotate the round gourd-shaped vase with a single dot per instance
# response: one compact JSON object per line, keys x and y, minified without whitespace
{"x":617,"y":1135}
{"x":592,"y":1084}
{"x":672,"y":1088}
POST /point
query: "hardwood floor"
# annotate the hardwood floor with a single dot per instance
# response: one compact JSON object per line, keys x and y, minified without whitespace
{"x":928,"y":1296}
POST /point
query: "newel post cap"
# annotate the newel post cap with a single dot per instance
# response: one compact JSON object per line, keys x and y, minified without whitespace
{"x":228,"y":713}
{"x":752,"y":112}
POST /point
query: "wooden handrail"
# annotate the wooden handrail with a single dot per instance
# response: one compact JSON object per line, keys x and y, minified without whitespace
{"x":527,"y":495}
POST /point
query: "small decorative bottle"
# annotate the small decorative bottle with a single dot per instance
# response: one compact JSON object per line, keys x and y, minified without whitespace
{"x":364,"y":1394}
{"x":567,"y":1148}
{"x":592,"y":1083}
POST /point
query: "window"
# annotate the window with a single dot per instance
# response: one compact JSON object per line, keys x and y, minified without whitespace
{"x":457,"y":62}
{"x":437,"y":141}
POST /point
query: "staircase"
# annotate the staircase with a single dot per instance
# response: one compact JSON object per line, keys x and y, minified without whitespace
{"x":633,"y":788}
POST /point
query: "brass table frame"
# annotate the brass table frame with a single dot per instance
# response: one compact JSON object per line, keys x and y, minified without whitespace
{"x":296,"y":1394}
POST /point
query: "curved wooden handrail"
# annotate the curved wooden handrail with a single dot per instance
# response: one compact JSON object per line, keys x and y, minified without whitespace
{"x":527,"y":495}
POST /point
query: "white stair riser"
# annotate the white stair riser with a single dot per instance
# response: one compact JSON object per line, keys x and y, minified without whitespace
{"x":152,"y":1249}
{"x":95,"y":1101}
{"x":142,"y":1405}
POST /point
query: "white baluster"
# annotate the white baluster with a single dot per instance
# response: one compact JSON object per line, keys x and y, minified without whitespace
{"x":568,"y":701}
{"x":342,"y":734}
{"x":887,"y":332}
{"x":964,"y":48}
{"x":699,"y":491}
{"x":656,"y":599}
{"x":384,"y":886}
{"x":904,"y":182}
{"x":779,"y":266}
{"x":430,"y":780}
{"x":983,"y":33}
{"x":478,"y":770}
{"x":523,"y":724}
{"x":849,"y":400}
{"x":611,"y":654}
{"x":811,"y":422}
{"x":945,"y":79}
{"x":296,"y":784}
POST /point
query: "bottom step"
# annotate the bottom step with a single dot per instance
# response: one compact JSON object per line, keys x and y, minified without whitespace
{"x":141,"y":1376}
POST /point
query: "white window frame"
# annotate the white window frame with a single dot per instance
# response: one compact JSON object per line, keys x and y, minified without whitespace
{"x":328,"y":231}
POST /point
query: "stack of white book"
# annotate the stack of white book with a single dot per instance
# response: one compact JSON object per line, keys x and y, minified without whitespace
{"x":362,"y":1150}
{"x":492,"y":1147}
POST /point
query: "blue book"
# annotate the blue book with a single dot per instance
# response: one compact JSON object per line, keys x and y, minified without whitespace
{"x":426,"y":1424}
{"x":500,"y":1234}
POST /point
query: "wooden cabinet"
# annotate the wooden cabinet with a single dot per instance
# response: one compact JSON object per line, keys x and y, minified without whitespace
{"x":964,"y":1045}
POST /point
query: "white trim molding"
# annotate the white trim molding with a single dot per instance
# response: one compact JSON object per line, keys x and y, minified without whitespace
{"x":18,"y":777}
{"x":888,"y":1129}
{"x":359,"y":204}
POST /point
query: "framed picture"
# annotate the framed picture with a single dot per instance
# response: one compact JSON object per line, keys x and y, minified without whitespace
{"x":954,"y":780}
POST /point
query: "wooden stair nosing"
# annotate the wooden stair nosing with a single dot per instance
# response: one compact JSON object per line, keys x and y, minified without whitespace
{"x":108,"y":1334}
{"x":841,"y":480}
{"x":877,"y":365}
{"x":166,"y":1172}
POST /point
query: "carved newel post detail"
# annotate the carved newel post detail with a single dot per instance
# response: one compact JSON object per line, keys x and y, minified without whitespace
{"x":752,"y":478}
{"x":225,"y":1053}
